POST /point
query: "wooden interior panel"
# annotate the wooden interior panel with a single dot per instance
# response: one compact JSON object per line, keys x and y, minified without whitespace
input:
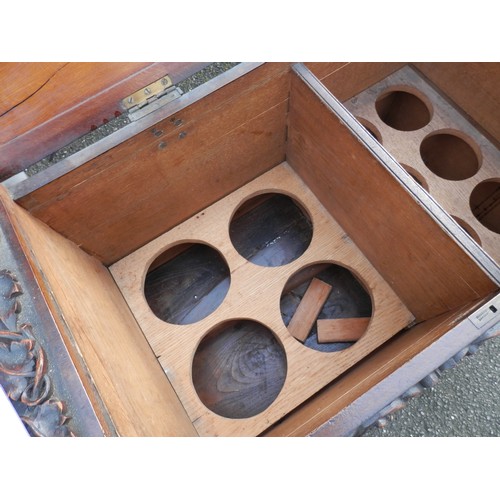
{"x":365,"y":375}
{"x":345,"y":80}
{"x":174,"y":169}
{"x":47,"y":105}
{"x":428,"y":270}
{"x":117,"y":358}
{"x":473,"y":86}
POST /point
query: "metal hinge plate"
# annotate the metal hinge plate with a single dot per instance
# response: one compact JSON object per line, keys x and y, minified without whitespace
{"x":151,"y":97}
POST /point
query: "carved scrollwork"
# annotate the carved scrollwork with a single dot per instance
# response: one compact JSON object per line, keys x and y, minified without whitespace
{"x":23,"y":368}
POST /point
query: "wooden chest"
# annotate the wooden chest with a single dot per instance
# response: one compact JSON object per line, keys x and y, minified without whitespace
{"x":278,"y":252}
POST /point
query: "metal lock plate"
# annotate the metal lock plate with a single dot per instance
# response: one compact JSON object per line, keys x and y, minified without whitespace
{"x":486,"y":313}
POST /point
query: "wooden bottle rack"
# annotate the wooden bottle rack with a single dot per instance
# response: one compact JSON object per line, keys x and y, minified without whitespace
{"x":254,"y":294}
{"x":462,"y":163}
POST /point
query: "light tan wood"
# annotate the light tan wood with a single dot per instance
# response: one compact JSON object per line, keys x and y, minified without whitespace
{"x":425,"y":267}
{"x":105,"y":337}
{"x":310,"y":306}
{"x":452,"y":195}
{"x":342,"y":329}
{"x":254,"y":294}
{"x":366,"y":374}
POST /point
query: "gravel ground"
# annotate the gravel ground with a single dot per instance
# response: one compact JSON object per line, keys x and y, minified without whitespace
{"x":465,"y":402}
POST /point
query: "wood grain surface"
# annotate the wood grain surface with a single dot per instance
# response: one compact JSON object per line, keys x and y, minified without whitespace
{"x":341,"y":330}
{"x":46,"y":105}
{"x":365,"y":375}
{"x":239,"y":369}
{"x":101,"y":333}
{"x":472,"y":86}
{"x":427,"y":269}
{"x":254,"y":295}
{"x":203,"y":152}
{"x":308,"y":309}
{"x":450,"y":156}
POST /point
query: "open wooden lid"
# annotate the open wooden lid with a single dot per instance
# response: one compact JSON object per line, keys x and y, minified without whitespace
{"x":46,"y":105}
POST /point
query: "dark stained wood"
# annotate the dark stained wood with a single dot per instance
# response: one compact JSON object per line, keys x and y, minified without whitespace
{"x":239,"y":369}
{"x":109,"y":349}
{"x":47,"y":105}
{"x":52,"y":392}
{"x":428,"y":270}
{"x":274,"y":232}
{"x":473,"y":86}
{"x":205,"y":151}
{"x":188,"y":287}
{"x":189,"y":281}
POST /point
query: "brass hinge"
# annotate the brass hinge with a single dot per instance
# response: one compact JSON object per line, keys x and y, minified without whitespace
{"x":151,"y":97}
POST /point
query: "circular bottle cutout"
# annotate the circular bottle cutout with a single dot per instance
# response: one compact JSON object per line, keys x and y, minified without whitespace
{"x":270,"y":230}
{"x":371,"y":129}
{"x":417,"y":177}
{"x":466,"y":227}
{"x":325,"y":307}
{"x":485,"y":204}
{"x":186,"y":283}
{"x":402,"y":110}
{"x":239,"y":369}
{"x":449,"y":156}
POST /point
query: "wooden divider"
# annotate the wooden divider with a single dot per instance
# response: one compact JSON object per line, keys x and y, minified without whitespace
{"x":427,"y":269}
{"x":109,"y":349}
{"x":442,"y":149}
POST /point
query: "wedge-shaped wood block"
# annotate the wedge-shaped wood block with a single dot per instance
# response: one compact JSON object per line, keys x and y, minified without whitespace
{"x":310,"y":306}
{"x":341,"y":329}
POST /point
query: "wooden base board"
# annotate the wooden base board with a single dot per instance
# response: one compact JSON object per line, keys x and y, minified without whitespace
{"x":405,"y":145}
{"x":254,"y":294}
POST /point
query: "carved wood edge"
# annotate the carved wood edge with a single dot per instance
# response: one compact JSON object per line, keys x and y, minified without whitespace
{"x":24,"y":371}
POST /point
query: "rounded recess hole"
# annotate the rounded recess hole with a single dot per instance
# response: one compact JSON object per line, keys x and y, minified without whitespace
{"x":325,"y":307}
{"x":186,"y":283}
{"x":485,"y":204}
{"x":417,"y":176}
{"x":468,"y":229}
{"x":372,"y":130}
{"x":239,"y":369}
{"x":449,"y":156}
{"x":402,"y":110}
{"x":270,"y":230}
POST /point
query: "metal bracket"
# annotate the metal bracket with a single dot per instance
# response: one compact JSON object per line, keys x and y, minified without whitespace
{"x":486,"y":313}
{"x":158,"y":93}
